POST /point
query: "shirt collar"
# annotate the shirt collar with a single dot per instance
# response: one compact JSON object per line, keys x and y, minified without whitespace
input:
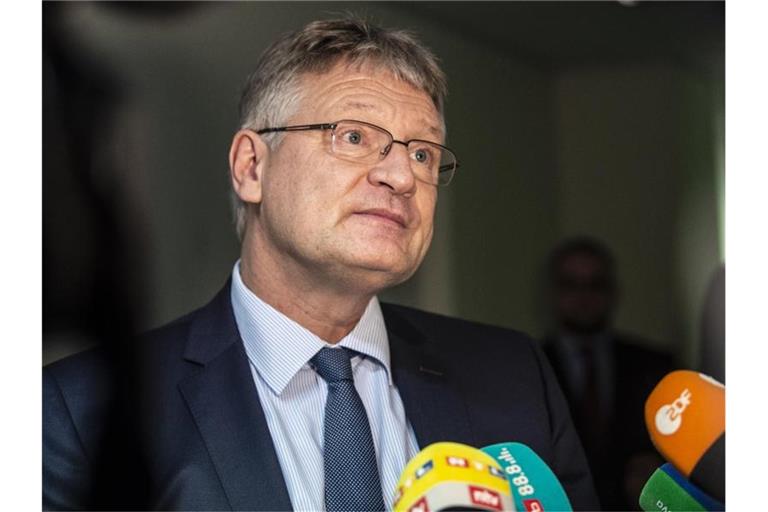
{"x":279,"y":348}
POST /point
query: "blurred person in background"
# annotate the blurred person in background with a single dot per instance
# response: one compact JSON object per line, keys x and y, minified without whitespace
{"x":606,"y":374}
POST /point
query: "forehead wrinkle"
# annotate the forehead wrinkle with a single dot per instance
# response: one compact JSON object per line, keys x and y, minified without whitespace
{"x":365,"y":93}
{"x":368,"y":93}
{"x":360,"y":105}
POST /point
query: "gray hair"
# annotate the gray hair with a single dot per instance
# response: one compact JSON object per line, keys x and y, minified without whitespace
{"x":272,"y":92}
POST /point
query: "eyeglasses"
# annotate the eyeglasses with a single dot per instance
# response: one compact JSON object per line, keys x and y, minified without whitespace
{"x":361,"y":142}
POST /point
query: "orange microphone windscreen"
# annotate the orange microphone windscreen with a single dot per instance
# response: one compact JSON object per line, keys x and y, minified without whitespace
{"x":685,"y":417}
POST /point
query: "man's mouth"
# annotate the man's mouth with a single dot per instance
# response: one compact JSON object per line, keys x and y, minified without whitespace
{"x":388,"y":215}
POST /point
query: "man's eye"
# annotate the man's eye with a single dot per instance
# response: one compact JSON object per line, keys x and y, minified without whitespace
{"x":423,"y":156}
{"x":353,"y":137}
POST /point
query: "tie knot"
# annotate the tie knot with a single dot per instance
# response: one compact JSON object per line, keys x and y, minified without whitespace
{"x":333,"y":364}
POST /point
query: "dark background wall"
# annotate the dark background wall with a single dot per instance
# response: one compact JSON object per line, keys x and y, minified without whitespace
{"x":568,"y":118}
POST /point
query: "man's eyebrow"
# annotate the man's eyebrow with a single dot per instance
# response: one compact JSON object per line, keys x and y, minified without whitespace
{"x":437,"y":132}
{"x":360,"y":105}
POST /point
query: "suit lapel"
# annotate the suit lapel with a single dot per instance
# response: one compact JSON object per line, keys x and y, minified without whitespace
{"x":433,"y":405}
{"x":227,"y":412}
{"x":225,"y":406}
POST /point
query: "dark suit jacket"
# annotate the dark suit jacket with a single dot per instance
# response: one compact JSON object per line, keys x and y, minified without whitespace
{"x":191,"y":434}
{"x":636,"y":372}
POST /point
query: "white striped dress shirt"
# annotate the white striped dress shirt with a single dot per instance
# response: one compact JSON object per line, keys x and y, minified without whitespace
{"x":293,"y":396}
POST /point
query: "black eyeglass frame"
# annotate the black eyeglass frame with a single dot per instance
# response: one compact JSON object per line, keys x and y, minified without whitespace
{"x":332,"y":126}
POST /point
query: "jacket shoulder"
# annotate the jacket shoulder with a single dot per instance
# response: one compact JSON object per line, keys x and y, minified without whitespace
{"x":452,"y":329}
{"x":464,"y":346}
{"x":508,"y":388}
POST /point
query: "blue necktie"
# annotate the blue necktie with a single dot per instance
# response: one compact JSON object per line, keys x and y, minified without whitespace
{"x":351,"y":473}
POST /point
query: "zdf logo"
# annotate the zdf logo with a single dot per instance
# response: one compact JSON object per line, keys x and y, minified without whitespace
{"x":670,"y":416}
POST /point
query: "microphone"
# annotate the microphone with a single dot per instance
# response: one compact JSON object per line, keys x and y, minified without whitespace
{"x":685,"y":417}
{"x":535,"y":488}
{"x":669,"y":491}
{"x":452,"y":476}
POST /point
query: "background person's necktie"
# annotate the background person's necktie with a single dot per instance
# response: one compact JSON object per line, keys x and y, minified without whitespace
{"x":351,"y":472}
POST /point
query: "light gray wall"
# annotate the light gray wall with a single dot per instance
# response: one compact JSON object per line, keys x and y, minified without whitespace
{"x":637,"y":168}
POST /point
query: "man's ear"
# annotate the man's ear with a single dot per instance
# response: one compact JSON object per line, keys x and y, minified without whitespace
{"x":248,"y":158}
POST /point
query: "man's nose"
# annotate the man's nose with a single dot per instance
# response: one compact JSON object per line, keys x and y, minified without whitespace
{"x":394,"y":170}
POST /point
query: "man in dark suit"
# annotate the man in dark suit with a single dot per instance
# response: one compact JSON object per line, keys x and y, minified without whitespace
{"x":294,"y":387}
{"x":606,"y":375}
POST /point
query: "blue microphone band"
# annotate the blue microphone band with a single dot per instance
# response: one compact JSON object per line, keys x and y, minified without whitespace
{"x":534,"y":486}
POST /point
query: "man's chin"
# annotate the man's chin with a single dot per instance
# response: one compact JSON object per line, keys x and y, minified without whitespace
{"x":377,"y":273}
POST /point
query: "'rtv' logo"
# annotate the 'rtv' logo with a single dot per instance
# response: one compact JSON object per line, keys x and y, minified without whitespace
{"x":670,"y":416}
{"x":485,"y":497}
